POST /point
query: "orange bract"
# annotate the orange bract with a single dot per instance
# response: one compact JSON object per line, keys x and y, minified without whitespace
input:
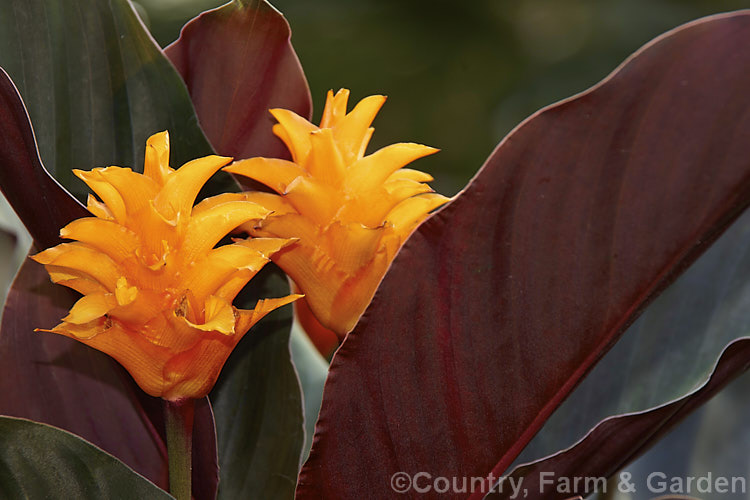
{"x":157,"y":295}
{"x":351,"y":212}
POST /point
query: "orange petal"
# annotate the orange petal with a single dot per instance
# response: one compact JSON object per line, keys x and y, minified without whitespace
{"x":406,"y":188}
{"x":266,"y":246}
{"x":324,"y":339}
{"x":352,"y":245}
{"x":351,"y":131}
{"x":156,"y":165}
{"x":235,"y":281}
{"x":264,"y":306}
{"x":315,"y":200}
{"x":192,"y":373}
{"x":289,"y":226}
{"x":98,"y":208}
{"x":212,"y":201}
{"x":365,"y":143}
{"x":81,"y":260}
{"x":77,"y":280}
{"x":90,"y":307}
{"x":410,"y":175}
{"x":274,"y":173}
{"x":314,"y":273}
{"x":106,"y":192}
{"x":81,"y":332}
{"x":296,"y":133}
{"x":180,"y":190}
{"x":124,"y":293}
{"x":275,"y":203}
{"x":369,"y":208}
{"x":410,"y":212}
{"x":219,"y":316}
{"x":107,"y":236}
{"x":374,"y":169}
{"x":84,"y":286}
{"x":206,"y":229}
{"x":209,"y":274}
{"x":135,"y":189}
{"x":354,"y":295}
{"x":325,"y":162}
{"x":153,"y":231}
{"x":335,"y":108}
{"x":142,"y":359}
{"x":143,"y":308}
{"x":337,"y":300}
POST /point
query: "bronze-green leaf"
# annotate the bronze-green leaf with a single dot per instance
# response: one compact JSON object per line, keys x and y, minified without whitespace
{"x":95,"y":85}
{"x":41,"y":461}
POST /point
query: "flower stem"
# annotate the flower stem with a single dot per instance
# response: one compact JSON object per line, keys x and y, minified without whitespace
{"x":179,"y":422}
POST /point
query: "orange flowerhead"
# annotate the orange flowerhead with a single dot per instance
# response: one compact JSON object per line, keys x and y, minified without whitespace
{"x":157,"y":295}
{"x":351,"y":212}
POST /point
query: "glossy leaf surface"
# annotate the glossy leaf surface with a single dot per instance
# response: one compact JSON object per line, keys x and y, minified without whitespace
{"x":714,"y":439}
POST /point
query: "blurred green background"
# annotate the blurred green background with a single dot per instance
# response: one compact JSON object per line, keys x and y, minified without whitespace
{"x":459,"y":75}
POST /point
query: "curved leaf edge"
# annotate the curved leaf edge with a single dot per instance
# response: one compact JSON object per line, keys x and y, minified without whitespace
{"x":58,"y":207}
{"x":733,"y":361}
{"x":113,"y":460}
{"x":273,"y":77}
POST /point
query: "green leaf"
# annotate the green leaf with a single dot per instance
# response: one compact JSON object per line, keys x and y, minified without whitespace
{"x":258,"y":405}
{"x":95,"y":85}
{"x":40,"y":461}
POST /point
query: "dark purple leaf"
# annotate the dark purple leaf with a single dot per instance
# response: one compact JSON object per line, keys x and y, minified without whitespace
{"x":499,"y":304}
{"x":238,"y":62}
